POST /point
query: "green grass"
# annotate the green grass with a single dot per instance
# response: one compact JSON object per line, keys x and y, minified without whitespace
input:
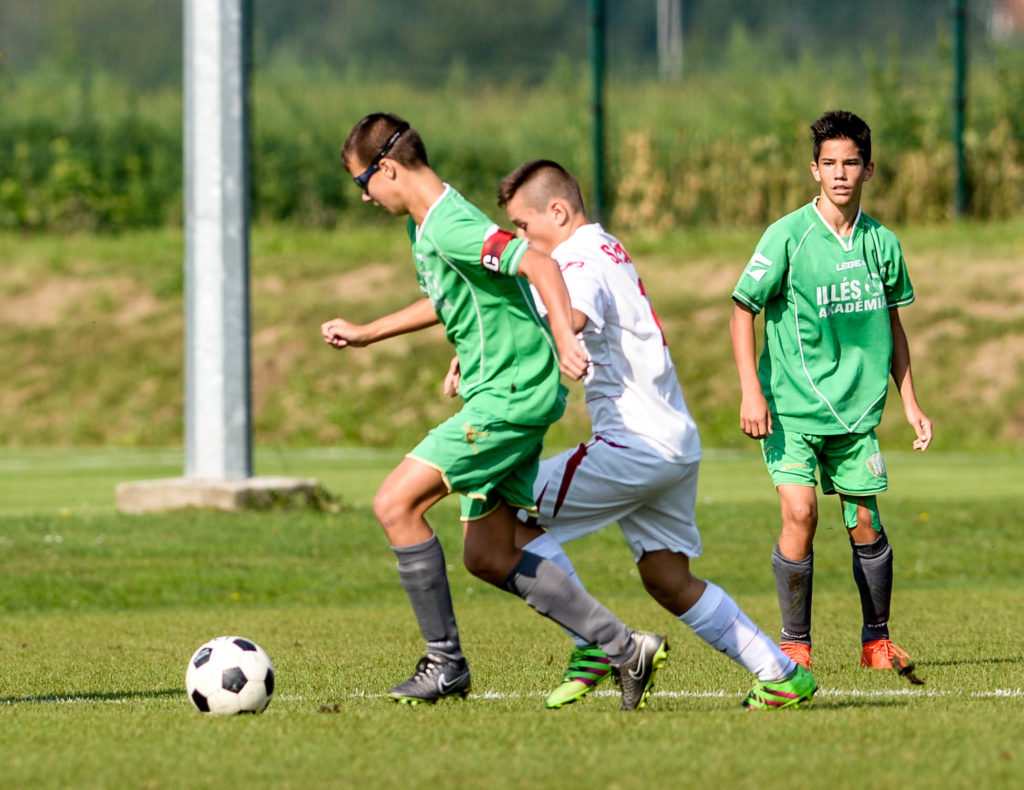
{"x":121,"y":382}
{"x":99,"y":613}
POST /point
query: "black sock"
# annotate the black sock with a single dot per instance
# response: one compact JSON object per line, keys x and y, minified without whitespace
{"x":794,"y":585}
{"x":872,"y":570}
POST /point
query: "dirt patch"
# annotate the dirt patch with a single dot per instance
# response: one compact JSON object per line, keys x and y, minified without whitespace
{"x":365,"y":283}
{"x":994,"y":368}
{"x":120,"y":299}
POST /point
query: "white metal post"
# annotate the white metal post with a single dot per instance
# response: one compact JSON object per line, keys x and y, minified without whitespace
{"x":218,"y":423}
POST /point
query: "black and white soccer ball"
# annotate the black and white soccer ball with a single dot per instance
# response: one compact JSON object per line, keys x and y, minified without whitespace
{"x":228,"y":675}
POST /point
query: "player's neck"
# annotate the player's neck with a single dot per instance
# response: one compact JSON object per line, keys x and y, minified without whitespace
{"x":424,"y":188}
{"x":841,"y":218}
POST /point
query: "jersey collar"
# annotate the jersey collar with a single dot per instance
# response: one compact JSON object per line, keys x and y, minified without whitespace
{"x":442,"y":196}
{"x":846,"y":244}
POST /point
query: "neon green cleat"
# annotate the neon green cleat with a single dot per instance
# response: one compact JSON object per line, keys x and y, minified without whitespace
{"x":588,"y":666}
{"x":789,"y":692}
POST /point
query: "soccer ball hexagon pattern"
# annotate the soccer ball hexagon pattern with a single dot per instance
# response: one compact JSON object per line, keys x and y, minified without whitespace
{"x":228,"y":675}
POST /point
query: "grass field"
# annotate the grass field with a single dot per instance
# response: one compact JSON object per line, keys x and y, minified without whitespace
{"x":99,"y":613}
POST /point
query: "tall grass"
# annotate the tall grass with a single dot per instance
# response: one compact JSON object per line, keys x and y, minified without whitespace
{"x":720,"y":147}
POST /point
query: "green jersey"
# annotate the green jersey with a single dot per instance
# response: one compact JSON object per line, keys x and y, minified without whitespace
{"x":825,"y":364}
{"x":467,"y":267}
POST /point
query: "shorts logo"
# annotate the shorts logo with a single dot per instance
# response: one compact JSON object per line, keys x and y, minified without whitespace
{"x":875,"y":465}
{"x":472,"y":434}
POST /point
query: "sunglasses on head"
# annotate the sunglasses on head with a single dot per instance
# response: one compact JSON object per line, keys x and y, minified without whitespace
{"x":364,"y":178}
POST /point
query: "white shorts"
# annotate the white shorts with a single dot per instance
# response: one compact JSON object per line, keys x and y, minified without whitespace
{"x":583,"y":490}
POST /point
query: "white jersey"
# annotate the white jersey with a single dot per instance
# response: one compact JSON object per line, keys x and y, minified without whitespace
{"x":631,"y":387}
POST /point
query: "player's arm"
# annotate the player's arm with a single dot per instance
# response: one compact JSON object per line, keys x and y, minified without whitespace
{"x":755,"y":417}
{"x":341,"y":333}
{"x":902,"y":375}
{"x":544,"y":275}
{"x":452,"y":378}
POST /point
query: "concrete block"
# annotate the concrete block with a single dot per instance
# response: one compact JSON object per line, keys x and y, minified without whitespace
{"x":253,"y":493}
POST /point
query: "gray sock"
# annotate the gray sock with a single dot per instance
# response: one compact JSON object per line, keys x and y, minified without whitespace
{"x":872,"y":570}
{"x":424,"y":576}
{"x":794,"y":585}
{"x":549,"y":590}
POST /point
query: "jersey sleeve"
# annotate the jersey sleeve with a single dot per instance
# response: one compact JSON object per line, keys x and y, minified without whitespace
{"x":899,"y":291}
{"x":586,"y":289}
{"x":765,"y":272}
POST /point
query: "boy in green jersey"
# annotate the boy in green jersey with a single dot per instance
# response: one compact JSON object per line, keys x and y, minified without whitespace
{"x":830,"y":281}
{"x":476,"y":279}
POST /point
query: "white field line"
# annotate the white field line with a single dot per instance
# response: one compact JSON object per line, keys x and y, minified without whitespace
{"x":1017,"y":693}
{"x":837,"y":693}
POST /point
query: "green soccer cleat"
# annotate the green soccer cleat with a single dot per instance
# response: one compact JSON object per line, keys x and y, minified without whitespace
{"x":588,"y":666}
{"x":790,"y":692}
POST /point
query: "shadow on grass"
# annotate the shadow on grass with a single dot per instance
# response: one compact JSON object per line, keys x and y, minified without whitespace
{"x":855,"y":702}
{"x":964,"y":662}
{"x":100,"y":696}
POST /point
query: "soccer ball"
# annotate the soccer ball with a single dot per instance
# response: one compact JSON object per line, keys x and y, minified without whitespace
{"x":229,"y":675}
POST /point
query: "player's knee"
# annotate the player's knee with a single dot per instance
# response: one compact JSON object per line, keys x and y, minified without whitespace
{"x":389,"y":507}
{"x":483,"y":565}
{"x":801,"y":516}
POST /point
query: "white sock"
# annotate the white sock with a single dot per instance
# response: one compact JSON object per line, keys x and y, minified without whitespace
{"x":547,"y":547}
{"x":718,"y":620}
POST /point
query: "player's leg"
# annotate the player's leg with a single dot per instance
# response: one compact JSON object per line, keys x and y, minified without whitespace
{"x":663,"y":536}
{"x":400,"y":506}
{"x":792,"y":460}
{"x":490,"y":551}
{"x":579,"y":492}
{"x":854,"y":464}
{"x":793,"y":566}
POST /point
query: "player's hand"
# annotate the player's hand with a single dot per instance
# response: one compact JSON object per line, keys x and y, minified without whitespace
{"x":573,"y":360}
{"x":922,"y":427}
{"x":452,"y":378}
{"x":340,"y":333}
{"x":755,"y":416}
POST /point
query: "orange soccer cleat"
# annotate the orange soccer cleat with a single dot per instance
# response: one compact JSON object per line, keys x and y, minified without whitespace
{"x":798,"y":651}
{"x":883,"y":654}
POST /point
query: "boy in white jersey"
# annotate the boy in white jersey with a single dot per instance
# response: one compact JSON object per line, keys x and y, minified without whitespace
{"x":640,"y":466}
{"x":470,"y":273}
{"x":829,"y":280}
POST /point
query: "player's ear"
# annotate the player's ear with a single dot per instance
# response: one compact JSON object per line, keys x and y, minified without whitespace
{"x":869,"y":170}
{"x":387,"y":168}
{"x":815,"y":173}
{"x":559,"y":211}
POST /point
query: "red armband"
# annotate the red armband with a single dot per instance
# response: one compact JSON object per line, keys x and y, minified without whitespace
{"x":494,"y":246}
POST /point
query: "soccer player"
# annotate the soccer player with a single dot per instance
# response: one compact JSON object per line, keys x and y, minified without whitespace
{"x":830,"y":281}
{"x":640,"y":466}
{"x":475,"y":278}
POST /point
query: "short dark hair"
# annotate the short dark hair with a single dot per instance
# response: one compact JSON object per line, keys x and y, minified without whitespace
{"x":372,"y":133}
{"x":547,"y":179}
{"x":840,"y":124}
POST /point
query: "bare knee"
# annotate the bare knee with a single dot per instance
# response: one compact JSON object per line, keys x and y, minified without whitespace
{"x":389,"y":507}
{"x":486,"y":565}
{"x":801,"y":516}
{"x":666,"y":577}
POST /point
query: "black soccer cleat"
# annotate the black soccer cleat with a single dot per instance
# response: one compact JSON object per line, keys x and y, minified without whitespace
{"x":435,"y":677}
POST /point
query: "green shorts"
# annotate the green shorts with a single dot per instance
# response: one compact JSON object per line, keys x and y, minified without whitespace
{"x":485,"y":460}
{"x":850,"y":463}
